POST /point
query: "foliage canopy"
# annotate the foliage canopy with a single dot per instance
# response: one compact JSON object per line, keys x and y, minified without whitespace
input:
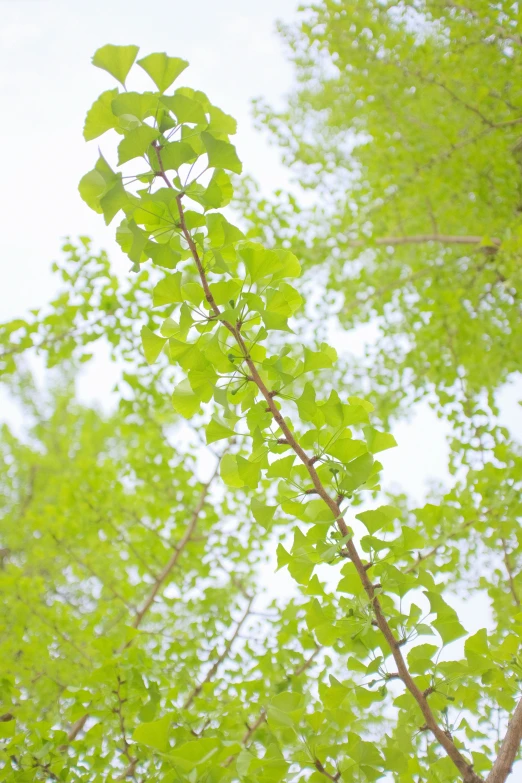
{"x":138,"y":643}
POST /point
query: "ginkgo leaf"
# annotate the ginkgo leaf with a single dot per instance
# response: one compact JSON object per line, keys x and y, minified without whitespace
{"x":154,"y":734}
{"x":117,"y":60}
{"x":221,"y":154}
{"x":152,"y":344}
{"x":162,"y":69}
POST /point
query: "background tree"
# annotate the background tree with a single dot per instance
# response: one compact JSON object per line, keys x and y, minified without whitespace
{"x":405,"y":126}
{"x":383,"y":702}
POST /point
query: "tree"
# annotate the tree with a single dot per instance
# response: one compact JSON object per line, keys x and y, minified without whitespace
{"x":133,"y":645}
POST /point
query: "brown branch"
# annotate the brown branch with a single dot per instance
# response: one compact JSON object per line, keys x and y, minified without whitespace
{"x":501,"y":31}
{"x":419,"y":239}
{"x":422,"y":557}
{"x":180,"y":546}
{"x":119,"y":712}
{"x":213,"y":669}
{"x":261,"y":718}
{"x":503,"y":765}
{"x":320,"y":768}
{"x":161,"y":172}
{"x":140,"y":614}
{"x":464,"y":767}
{"x":75,"y":729}
{"x":129,"y":771}
{"x":306,"y":664}
{"x":84,"y":564}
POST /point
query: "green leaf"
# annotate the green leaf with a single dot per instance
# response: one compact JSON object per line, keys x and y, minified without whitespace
{"x":351,"y":581}
{"x":136,"y":143}
{"x":357,"y":472}
{"x":221,"y":154}
{"x":132,"y":240}
{"x":117,"y":60}
{"x":346,"y":449}
{"x":154,"y":734}
{"x":319,"y":360}
{"x":262,"y":512}
{"x":249,"y":472}
{"x":92,"y":186}
{"x":221,"y":122}
{"x":379,"y":519}
{"x":225,"y":291}
{"x":100,"y":117}
{"x":378,"y":441}
{"x":152,"y":344}
{"x":215,"y":431}
{"x":185,"y":401}
{"x":191,"y":754}
{"x":229,"y":471}
{"x":281,"y":468}
{"x":135,"y":104}
{"x":186,"y":109}
{"x":477,"y":645}
{"x":219,"y":191}
{"x":420,"y":658}
{"x":175,"y":153}
{"x":114,"y":199}
{"x":286,"y":709}
{"x":163,"y":70}
{"x":447,"y":622}
{"x":7,"y":729}
{"x":162,"y":255}
{"x":168,"y":290}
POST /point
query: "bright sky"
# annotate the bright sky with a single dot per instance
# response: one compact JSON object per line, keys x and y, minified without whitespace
{"x":46,"y":85}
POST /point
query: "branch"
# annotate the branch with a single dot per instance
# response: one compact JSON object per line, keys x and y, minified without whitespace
{"x":180,"y":546}
{"x":320,"y":768}
{"x":464,"y":767}
{"x":503,"y":765}
{"x":502,"y":33}
{"x":84,"y":564}
{"x":75,"y":730}
{"x":140,"y":614}
{"x":419,"y":239}
{"x":435,"y":549}
{"x":261,"y":718}
{"x":211,"y":672}
{"x":119,"y":712}
{"x":306,"y":664}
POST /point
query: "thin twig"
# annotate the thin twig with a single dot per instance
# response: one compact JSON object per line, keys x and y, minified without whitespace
{"x":420,"y":239}
{"x":261,"y":718}
{"x":180,"y":546}
{"x":140,"y":614}
{"x":213,"y":669}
